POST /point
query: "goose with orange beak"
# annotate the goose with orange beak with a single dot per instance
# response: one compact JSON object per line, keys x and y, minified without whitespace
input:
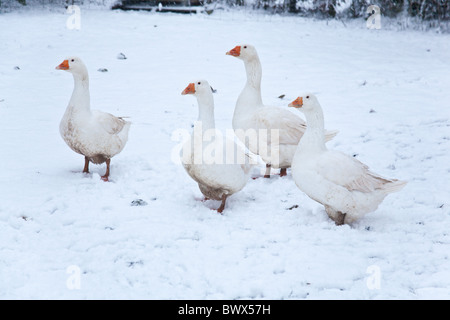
{"x":96,"y":135}
{"x":278,"y":129}
{"x":63,"y":65}
{"x":297,"y":103}
{"x":343,"y":185}
{"x":217,"y":176}
{"x":235,"y":52}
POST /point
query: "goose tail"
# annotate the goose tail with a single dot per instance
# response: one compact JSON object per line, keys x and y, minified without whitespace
{"x":394,"y":186}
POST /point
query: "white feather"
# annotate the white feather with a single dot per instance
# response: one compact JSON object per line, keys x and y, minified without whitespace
{"x":94,"y":134}
{"x":341,"y":183}
{"x":251,"y":113}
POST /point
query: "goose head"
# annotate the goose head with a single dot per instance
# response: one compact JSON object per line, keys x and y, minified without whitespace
{"x":73,"y":65}
{"x":244,"y":52}
{"x":198,"y":88}
{"x":306,"y":103}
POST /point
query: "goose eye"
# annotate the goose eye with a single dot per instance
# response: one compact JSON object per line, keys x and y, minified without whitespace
{"x":307,"y":97}
{"x":245,"y":47}
{"x":72,"y":60}
{"x":199,"y":83}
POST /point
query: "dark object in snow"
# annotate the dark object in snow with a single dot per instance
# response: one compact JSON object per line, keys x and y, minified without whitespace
{"x":102,"y":70}
{"x":355,"y":155}
{"x":367,"y":228}
{"x":282,"y":96}
{"x":132,"y":264}
{"x":1,"y":100}
{"x":428,"y":50}
{"x":372,"y":111}
{"x":293,"y":207}
{"x":138,"y":202}
{"x":364,"y":83}
{"x":16,"y":68}
{"x":121,"y":56}
{"x":176,"y":6}
{"x":213,"y":90}
{"x":441,"y":206}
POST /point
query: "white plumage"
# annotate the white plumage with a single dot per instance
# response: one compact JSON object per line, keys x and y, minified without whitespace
{"x":208,"y":157}
{"x":251,"y":113}
{"x":97,"y":135}
{"x":344,"y":185}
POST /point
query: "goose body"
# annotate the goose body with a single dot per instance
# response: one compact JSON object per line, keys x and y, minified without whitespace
{"x":97,"y":135}
{"x":280,"y":128}
{"x":217,"y":176}
{"x":345,"y":186}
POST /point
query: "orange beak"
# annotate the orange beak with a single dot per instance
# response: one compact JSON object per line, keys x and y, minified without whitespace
{"x":235,"y":52}
{"x":63,"y":66}
{"x":190,"y":89}
{"x":297,"y":103}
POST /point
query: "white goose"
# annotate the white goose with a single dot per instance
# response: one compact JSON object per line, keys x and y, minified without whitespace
{"x":97,"y":135}
{"x":218,"y":176}
{"x":344,"y":185}
{"x":251,"y":113}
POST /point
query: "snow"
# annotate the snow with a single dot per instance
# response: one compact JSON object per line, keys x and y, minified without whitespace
{"x":66,"y":235}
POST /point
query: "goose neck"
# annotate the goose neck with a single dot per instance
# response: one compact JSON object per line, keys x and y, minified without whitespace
{"x":314,"y":136}
{"x":250,"y":97}
{"x":254,"y":73}
{"x":206,"y":112}
{"x":81,"y":96}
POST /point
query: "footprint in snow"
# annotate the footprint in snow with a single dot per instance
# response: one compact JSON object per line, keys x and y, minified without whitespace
{"x":138,"y":202}
{"x":121,"y":56}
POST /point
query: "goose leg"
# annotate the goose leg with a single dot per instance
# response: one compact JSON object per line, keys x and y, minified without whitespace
{"x":283,"y":172}
{"x":222,"y":205}
{"x":86,"y":165}
{"x":267,"y":175}
{"x":337,"y":216}
{"x":340,"y":218}
{"x":105,"y":177}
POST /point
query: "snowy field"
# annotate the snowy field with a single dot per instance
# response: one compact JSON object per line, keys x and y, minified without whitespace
{"x":66,"y":235}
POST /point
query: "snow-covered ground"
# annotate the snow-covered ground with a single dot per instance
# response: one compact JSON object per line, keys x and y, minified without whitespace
{"x":64,"y":235}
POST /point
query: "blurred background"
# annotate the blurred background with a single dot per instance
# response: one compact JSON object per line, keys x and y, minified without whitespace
{"x":424,"y":14}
